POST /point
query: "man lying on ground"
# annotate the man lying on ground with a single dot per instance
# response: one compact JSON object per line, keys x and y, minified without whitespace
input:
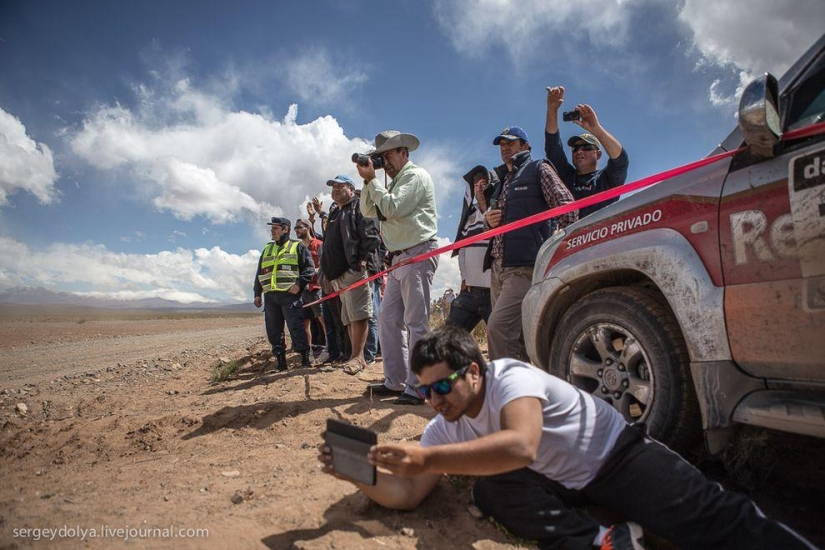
{"x":543,"y":448}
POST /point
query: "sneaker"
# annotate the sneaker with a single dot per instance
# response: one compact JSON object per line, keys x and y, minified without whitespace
{"x":407,"y":399}
{"x":382,"y":390}
{"x":624,"y":536}
{"x":321,"y":359}
{"x":370,"y":361}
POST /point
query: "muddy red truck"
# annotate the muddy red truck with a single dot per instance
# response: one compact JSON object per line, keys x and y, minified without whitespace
{"x":697,"y":305}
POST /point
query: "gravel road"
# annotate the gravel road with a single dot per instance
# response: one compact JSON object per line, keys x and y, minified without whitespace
{"x":43,"y":362}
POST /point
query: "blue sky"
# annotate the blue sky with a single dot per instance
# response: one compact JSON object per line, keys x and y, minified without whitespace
{"x":143,"y":145}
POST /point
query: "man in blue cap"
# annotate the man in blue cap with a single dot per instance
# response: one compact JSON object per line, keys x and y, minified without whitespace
{"x":349,"y":244}
{"x":527,"y":187}
{"x":285,"y":268}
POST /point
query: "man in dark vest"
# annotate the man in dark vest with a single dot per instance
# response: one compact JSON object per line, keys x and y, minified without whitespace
{"x":284,"y":270}
{"x":527,"y":187}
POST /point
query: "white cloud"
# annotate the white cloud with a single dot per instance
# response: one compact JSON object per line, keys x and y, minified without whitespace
{"x":477,"y":26}
{"x":194,"y":156}
{"x":754,"y":35}
{"x":314,"y":76}
{"x":447,"y":275}
{"x":184,"y":275}
{"x":189,"y":191}
{"x":24,"y":164}
{"x":749,"y":37}
{"x":200,"y":275}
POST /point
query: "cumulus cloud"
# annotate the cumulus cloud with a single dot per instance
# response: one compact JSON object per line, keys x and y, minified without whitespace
{"x":183,"y":275}
{"x":754,"y":35}
{"x":447,"y":275}
{"x":200,"y":275}
{"x":748,"y":37}
{"x":477,"y":26}
{"x":195,"y":156}
{"x":24,"y":164}
{"x":738,"y":38}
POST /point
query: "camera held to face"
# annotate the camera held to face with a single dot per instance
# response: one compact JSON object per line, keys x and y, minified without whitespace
{"x":567,"y":116}
{"x":363,"y":160}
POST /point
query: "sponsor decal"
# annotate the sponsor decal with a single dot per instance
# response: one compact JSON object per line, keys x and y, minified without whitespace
{"x":616,"y":228}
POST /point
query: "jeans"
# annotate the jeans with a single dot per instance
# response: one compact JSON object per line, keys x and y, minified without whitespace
{"x":373,"y":347}
{"x":471,"y":306}
{"x":280,"y":307}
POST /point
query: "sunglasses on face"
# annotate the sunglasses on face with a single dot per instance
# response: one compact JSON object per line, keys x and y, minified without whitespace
{"x":441,"y":387}
{"x":584,"y":148}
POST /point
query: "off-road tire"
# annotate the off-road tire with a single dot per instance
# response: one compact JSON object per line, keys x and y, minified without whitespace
{"x":647,"y":381}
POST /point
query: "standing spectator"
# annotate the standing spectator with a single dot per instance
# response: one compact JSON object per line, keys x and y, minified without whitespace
{"x":375,"y":265}
{"x":284,"y":270}
{"x":527,"y":188}
{"x":316,"y":206}
{"x":472,"y":304}
{"x":583,"y":178}
{"x":312,"y":292}
{"x":407,"y":216}
{"x":349,"y":242}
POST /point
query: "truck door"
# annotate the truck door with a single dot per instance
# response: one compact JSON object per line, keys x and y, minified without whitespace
{"x":772,"y":238}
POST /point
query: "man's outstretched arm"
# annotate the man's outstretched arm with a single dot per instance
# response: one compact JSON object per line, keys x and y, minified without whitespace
{"x":514,"y":446}
{"x":390,"y":490}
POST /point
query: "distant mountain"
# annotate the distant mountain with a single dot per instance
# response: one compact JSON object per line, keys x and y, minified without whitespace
{"x":29,"y":295}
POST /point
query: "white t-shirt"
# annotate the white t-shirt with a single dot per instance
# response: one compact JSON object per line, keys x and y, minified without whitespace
{"x":579,"y":430}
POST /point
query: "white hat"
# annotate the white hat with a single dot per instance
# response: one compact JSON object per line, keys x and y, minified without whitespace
{"x":392,"y":139}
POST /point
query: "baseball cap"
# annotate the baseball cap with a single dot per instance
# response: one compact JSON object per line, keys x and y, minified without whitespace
{"x":587,"y":138}
{"x":511,"y":133}
{"x":280,"y":221}
{"x":341,"y":178}
{"x":302,"y":221}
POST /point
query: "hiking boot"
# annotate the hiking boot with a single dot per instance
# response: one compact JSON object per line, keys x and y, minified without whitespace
{"x":281,"y":358}
{"x":624,"y":536}
{"x":305,"y":362}
{"x":321,"y":359}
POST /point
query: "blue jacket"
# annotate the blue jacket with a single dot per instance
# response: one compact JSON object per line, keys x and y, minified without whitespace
{"x":524,"y":199}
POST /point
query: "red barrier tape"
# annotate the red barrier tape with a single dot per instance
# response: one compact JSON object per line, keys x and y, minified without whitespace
{"x":807,"y":131}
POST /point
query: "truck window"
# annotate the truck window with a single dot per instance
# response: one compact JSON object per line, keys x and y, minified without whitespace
{"x":807,"y":102}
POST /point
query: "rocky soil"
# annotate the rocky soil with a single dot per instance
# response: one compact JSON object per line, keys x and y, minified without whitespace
{"x":110,"y":422}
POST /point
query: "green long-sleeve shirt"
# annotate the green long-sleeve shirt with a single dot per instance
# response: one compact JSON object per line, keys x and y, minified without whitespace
{"x":407,"y":204}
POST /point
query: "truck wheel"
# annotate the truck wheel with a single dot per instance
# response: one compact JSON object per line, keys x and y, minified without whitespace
{"x":624,"y":345}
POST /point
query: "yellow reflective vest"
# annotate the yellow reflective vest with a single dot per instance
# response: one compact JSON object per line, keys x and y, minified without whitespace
{"x":279,"y":267}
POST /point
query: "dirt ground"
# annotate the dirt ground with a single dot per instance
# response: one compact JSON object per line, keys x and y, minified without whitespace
{"x":109,"y":422}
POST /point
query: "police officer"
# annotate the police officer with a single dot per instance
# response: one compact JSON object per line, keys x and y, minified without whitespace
{"x":284,"y":270}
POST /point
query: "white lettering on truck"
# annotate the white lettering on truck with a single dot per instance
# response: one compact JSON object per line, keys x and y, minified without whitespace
{"x":618,"y":227}
{"x":748,"y":230}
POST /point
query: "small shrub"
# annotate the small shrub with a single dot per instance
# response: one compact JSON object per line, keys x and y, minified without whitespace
{"x":222,"y":371}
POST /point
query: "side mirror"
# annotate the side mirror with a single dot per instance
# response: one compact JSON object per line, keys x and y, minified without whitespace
{"x":759,"y":115}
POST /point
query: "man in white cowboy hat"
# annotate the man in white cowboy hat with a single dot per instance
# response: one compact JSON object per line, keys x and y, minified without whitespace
{"x":583,"y":177}
{"x":405,"y":208}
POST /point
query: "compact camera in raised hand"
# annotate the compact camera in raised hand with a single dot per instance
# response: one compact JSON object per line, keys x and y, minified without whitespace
{"x":363,"y":160}
{"x":568,"y":116}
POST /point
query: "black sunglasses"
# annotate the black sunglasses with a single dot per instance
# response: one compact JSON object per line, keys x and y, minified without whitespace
{"x":584,"y":148}
{"x":441,"y":387}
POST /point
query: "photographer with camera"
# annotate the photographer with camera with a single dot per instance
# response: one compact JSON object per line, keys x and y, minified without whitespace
{"x":583,"y":177}
{"x":406,"y":211}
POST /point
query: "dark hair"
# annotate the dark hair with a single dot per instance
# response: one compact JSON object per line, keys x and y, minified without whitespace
{"x":450,"y":344}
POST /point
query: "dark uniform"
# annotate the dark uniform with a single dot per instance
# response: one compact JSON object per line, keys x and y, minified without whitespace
{"x":281,"y":265}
